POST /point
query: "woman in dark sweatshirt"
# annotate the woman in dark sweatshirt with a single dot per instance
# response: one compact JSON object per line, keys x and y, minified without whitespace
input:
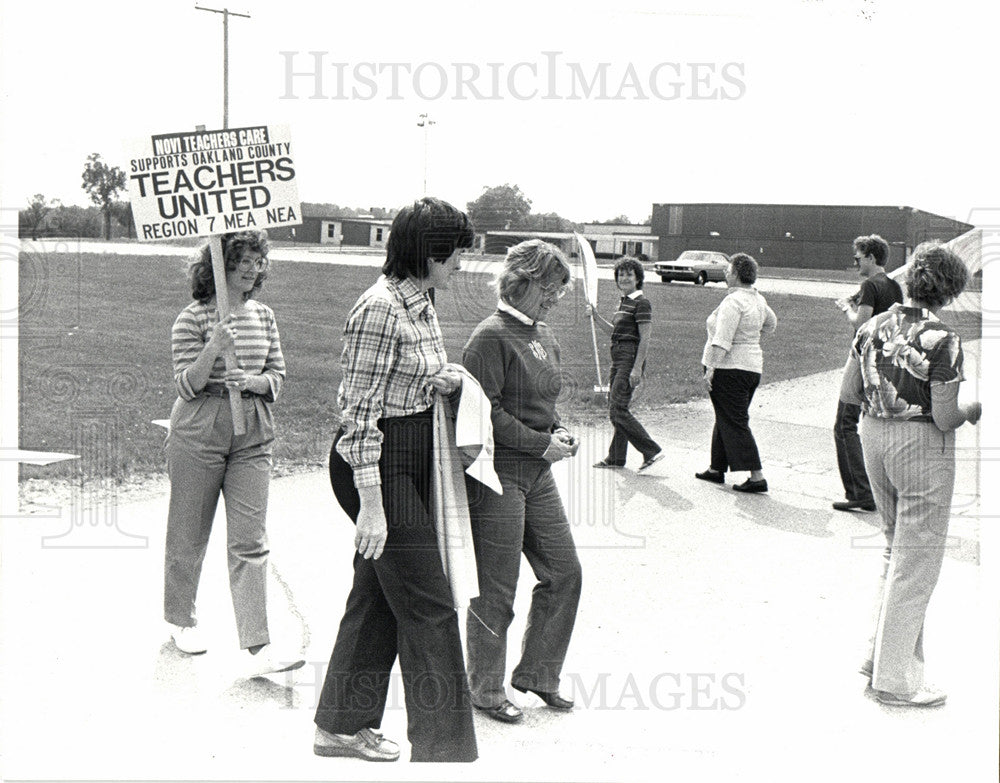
{"x":515,"y":358}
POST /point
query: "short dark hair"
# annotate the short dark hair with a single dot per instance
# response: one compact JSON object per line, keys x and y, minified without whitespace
{"x":233,"y":247}
{"x":744,"y":267}
{"x":936,"y":275}
{"x":874,"y":246}
{"x":633,"y":263}
{"x":429,"y":228}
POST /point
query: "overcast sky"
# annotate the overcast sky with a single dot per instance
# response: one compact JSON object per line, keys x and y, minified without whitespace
{"x":781,"y":101}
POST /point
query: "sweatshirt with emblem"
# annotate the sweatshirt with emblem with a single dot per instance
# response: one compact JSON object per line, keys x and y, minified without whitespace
{"x":518,"y":367}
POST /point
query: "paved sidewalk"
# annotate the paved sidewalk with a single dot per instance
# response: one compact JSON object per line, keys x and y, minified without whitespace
{"x":718,"y":635}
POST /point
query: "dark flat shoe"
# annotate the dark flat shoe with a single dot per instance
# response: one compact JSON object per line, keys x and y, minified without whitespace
{"x":751,"y":486}
{"x":651,"y":461}
{"x":505,"y":713}
{"x":715,"y":476}
{"x":850,"y":505}
{"x":605,"y":464}
{"x":551,"y":699}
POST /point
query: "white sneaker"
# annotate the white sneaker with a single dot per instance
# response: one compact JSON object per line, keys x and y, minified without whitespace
{"x":270,"y":661}
{"x":188,"y":639}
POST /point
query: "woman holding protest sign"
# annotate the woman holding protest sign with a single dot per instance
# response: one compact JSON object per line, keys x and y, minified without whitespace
{"x":630,"y":330}
{"x":205,"y":456}
{"x":393,"y":365}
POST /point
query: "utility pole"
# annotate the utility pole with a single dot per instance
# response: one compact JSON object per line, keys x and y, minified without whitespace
{"x":226,"y":13}
{"x":425,"y":122}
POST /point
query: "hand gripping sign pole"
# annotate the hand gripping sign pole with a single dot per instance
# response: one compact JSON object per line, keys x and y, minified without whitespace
{"x":222,"y":308}
{"x":589,"y":264}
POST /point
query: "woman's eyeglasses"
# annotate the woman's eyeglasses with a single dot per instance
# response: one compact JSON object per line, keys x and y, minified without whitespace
{"x":246,"y":264}
{"x":556,"y":291}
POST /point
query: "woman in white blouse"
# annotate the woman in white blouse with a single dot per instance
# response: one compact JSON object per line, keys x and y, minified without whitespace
{"x":733,"y":362}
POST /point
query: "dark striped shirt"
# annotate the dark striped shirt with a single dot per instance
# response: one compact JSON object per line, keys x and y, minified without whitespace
{"x":632,"y":311}
{"x":258,"y":346}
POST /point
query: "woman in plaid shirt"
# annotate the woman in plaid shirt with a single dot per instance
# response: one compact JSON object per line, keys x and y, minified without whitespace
{"x":393,"y":364}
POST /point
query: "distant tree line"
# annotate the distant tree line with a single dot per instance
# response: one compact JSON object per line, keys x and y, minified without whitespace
{"x":501,"y":207}
{"x":49,"y":218}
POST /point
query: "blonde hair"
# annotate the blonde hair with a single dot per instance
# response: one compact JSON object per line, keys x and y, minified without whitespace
{"x":528,"y":261}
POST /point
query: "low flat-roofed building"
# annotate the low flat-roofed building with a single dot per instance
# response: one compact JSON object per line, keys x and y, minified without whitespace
{"x":796,"y":235}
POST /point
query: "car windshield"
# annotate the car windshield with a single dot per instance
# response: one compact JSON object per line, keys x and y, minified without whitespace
{"x":702,"y":255}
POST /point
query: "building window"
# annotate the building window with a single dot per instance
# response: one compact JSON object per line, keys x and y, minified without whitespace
{"x":378,"y":234}
{"x":331,"y":230}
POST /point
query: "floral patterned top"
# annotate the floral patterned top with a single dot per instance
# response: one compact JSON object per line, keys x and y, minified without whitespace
{"x":902,"y":353}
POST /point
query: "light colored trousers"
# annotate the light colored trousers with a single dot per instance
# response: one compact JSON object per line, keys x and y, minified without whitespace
{"x":911,"y":467}
{"x":205,"y":458}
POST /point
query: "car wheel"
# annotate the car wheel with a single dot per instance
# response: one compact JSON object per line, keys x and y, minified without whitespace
{"x":701,"y":279}
{"x":664,"y":278}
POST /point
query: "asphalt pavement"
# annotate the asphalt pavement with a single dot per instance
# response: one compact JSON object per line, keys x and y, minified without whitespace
{"x":718,"y":637}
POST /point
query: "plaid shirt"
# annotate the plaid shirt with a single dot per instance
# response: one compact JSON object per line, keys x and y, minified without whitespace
{"x":392,"y":345}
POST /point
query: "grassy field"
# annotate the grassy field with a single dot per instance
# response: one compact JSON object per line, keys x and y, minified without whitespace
{"x":95,"y":365}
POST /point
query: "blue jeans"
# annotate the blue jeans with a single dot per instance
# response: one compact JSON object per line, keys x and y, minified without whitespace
{"x":850,"y":458}
{"x":527,"y":517}
{"x":627,"y":427}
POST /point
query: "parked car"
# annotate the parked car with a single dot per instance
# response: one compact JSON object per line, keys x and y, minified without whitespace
{"x":696,"y":266}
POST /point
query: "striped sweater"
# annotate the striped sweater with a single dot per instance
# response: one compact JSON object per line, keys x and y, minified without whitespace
{"x":258,"y":346}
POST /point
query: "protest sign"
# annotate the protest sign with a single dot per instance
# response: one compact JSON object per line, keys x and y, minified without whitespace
{"x":588,"y":263}
{"x":198,"y":183}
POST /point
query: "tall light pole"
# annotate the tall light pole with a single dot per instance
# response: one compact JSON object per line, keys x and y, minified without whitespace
{"x":425,"y":122}
{"x":226,"y":13}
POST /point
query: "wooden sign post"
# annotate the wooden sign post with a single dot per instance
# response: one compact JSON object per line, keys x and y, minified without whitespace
{"x":222,"y":308}
{"x":210,"y":183}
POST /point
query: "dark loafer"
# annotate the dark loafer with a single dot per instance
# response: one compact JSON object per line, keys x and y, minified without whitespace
{"x":751,"y":486}
{"x":551,"y":698}
{"x":850,"y":505}
{"x":715,"y":476}
{"x":605,"y":464}
{"x":505,"y":713}
{"x":651,"y":461}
